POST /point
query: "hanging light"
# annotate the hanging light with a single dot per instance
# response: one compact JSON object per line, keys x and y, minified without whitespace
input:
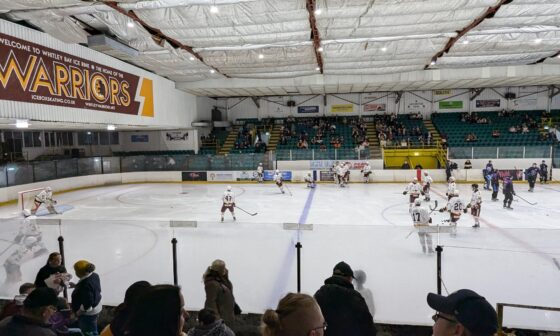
{"x":214,"y":9}
{"x":261,"y":56}
{"x":111,"y":127}
{"x":130,"y":24}
{"x":320,"y":49}
{"x":22,"y":123}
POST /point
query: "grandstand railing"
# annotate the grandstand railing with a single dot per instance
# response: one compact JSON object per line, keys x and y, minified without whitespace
{"x":327,"y":154}
{"x":506,"y":152}
{"x":500,"y":312}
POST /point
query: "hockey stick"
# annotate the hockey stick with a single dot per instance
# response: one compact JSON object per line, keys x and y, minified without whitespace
{"x":535,"y":203}
{"x":248,"y":213}
{"x":289,"y":190}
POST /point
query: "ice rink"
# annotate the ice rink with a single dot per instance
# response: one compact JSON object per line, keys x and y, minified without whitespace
{"x":125,"y":230}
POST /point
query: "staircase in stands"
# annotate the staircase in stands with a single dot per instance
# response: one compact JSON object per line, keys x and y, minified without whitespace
{"x":436,"y":138}
{"x":274,"y":138}
{"x":373,"y":139}
{"x":230,"y":141}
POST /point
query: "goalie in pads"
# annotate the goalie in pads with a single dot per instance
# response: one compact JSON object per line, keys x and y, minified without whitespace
{"x":44,"y":197}
{"x":421,"y":220}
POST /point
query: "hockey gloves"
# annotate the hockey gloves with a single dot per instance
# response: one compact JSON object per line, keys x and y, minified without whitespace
{"x":404,"y":192}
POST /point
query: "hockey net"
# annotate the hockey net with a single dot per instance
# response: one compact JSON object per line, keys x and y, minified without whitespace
{"x":26,"y":198}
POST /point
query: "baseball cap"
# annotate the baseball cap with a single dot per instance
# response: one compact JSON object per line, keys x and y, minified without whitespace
{"x":469,"y":308}
{"x":343,"y":269}
{"x":41,"y":297}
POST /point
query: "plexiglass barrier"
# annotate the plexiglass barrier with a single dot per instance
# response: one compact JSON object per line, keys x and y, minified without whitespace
{"x":507,"y":152}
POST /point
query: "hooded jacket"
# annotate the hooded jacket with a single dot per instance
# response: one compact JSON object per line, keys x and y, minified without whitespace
{"x":218,"y":328}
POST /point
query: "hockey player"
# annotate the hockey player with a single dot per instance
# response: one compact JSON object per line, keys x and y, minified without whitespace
{"x":531,"y":175}
{"x":488,"y":174}
{"x":508,"y":192}
{"x":279,"y":180}
{"x":342,"y":169}
{"x":475,"y":204}
{"x":543,"y":172}
{"x":454,"y":206}
{"x":309,"y":180}
{"x":228,"y":202}
{"x":421,"y":220}
{"x":451,"y":187}
{"x":414,"y":189}
{"x":260,"y":173}
{"x":44,"y":197}
{"x":30,"y":245}
{"x":366,"y":171}
{"x":346,"y":176}
{"x":335,"y":169}
{"x":495,"y":185}
{"x":427,"y":185}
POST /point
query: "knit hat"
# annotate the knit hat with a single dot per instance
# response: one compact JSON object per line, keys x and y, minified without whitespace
{"x":82,"y":267}
{"x":41,"y":297}
{"x":218,"y":266}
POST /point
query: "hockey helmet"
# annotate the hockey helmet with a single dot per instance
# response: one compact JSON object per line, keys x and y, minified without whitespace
{"x":534,"y":164}
{"x":48,"y":189}
{"x":277,"y":171}
{"x":260,"y":163}
{"x":426,"y":173}
{"x":415,"y":180}
{"x":418,"y":202}
{"x":228,"y":188}
{"x":451,"y":179}
{"x":26,"y":213}
{"x":474,"y":186}
{"x":543,"y":161}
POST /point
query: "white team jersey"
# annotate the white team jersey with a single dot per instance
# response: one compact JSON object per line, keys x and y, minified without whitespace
{"x":343,"y":170}
{"x":260,"y":169}
{"x":428,"y":179}
{"x":367,"y":169}
{"x":414,"y":188}
{"x":476,"y":198}
{"x":455,"y":205}
{"x":451,"y":188}
{"x":309,"y":179}
{"x":278,"y":178}
{"x":44,"y":196}
{"x":228,"y":198}
{"x":420,"y":216}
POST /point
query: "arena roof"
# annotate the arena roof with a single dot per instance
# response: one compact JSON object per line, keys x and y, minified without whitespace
{"x":290,"y":47}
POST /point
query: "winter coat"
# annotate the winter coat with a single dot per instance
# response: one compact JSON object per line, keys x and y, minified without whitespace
{"x":45,"y":272}
{"x":219,"y":296}
{"x":344,"y":309}
{"x":87,"y":295}
{"x":218,"y":328}
{"x":19,"y":325}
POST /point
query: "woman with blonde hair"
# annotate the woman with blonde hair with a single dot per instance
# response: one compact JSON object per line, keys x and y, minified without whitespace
{"x":219,"y":292}
{"x":296,"y":315}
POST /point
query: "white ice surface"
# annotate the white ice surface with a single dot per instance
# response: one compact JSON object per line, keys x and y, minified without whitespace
{"x":513,"y":258}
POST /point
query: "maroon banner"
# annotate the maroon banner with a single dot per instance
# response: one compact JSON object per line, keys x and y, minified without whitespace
{"x":32,"y":73}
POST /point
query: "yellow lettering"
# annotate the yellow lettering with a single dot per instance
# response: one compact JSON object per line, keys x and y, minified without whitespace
{"x":124,"y":90}
{"x":12,"y":66}
{"x":114,"y":84}
{"x":77,"y":83}
{"x":62,"y":78}
{"x":99,"y":88}
{"x":42,"y":79}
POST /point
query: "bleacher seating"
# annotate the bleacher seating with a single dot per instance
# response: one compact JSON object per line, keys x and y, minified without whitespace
{"x":456,"y":130}
{"x":166,"y":152}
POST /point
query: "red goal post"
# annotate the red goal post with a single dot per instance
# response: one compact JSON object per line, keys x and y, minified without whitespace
{"x":26,"y":198}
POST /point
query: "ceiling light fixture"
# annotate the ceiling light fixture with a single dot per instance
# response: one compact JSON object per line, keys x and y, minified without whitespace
{"x":191,"y":58}
{"x":261,"y":56}
{"x":22,"y":124}
{"x":214,"y":9}
{"x":320,"y":49}
{"x":130,"y":24}
{"x":384,"y":49}
{"x":433,"y":63}
{"x":318,"y":69}
{"x":538,"y":40}
{"x":212,"y":71}
{"x":111,"y":127}
{"x":466,"y":42}
{"x":318,"y":11}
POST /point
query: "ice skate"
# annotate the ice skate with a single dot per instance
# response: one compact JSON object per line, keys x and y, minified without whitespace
{"x":476,"y":225}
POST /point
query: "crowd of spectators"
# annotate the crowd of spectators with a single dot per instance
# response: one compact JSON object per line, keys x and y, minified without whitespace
{"x":392,"y":132}
{"x":337,"y":308}
{"x":250,"y":138}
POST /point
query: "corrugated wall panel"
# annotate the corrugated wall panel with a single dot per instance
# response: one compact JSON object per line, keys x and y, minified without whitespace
{"x":172,"y":107}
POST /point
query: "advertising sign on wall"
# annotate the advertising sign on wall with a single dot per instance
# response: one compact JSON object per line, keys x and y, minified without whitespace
{"x":326,"y":175}
{"x":443,"y":92}
{"x":176,"y":135}
{"x":515,"y":174}
{"x":246,"y":175}
{"x":451,"y":104}
{"x":308,"y":109}
{"x":342,"y":108}
{"x":327,"y":164}
{"x":194,"y":176}
{"x":221,"y":176}
{"x":488,"y":103}
{"x":525,"y":102}
{"x":33,"y":73}
{"x":375,"y":107}
{"x":416,"y":106}
{"x":269,"y":174}
{"x":139,"y":138}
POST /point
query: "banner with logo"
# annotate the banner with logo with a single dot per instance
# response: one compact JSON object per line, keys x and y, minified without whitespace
{"x":443,"y":92}
{"x":416,"y":106}
{"x":308,"y":109}
{"x":194,"y":176}
{"x":33,"y":73}
{"x":515,"y":174}
{"x":488,"y":103}
{"x":451,"y":104}
{"x":328,"y":164}
{"x":139,"y":138}
{"x":326,"y":175}
{"x":220,"y":176}
{"x":342,"y":108}
{"x":269,"y":174}
{"x":525,"y":102}
{"x":375,"y":107}
{"x":246,"y":175}
{"x":176,"y":135}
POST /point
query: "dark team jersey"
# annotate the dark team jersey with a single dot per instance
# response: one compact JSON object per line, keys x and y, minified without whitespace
{"x":532,"y":171}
